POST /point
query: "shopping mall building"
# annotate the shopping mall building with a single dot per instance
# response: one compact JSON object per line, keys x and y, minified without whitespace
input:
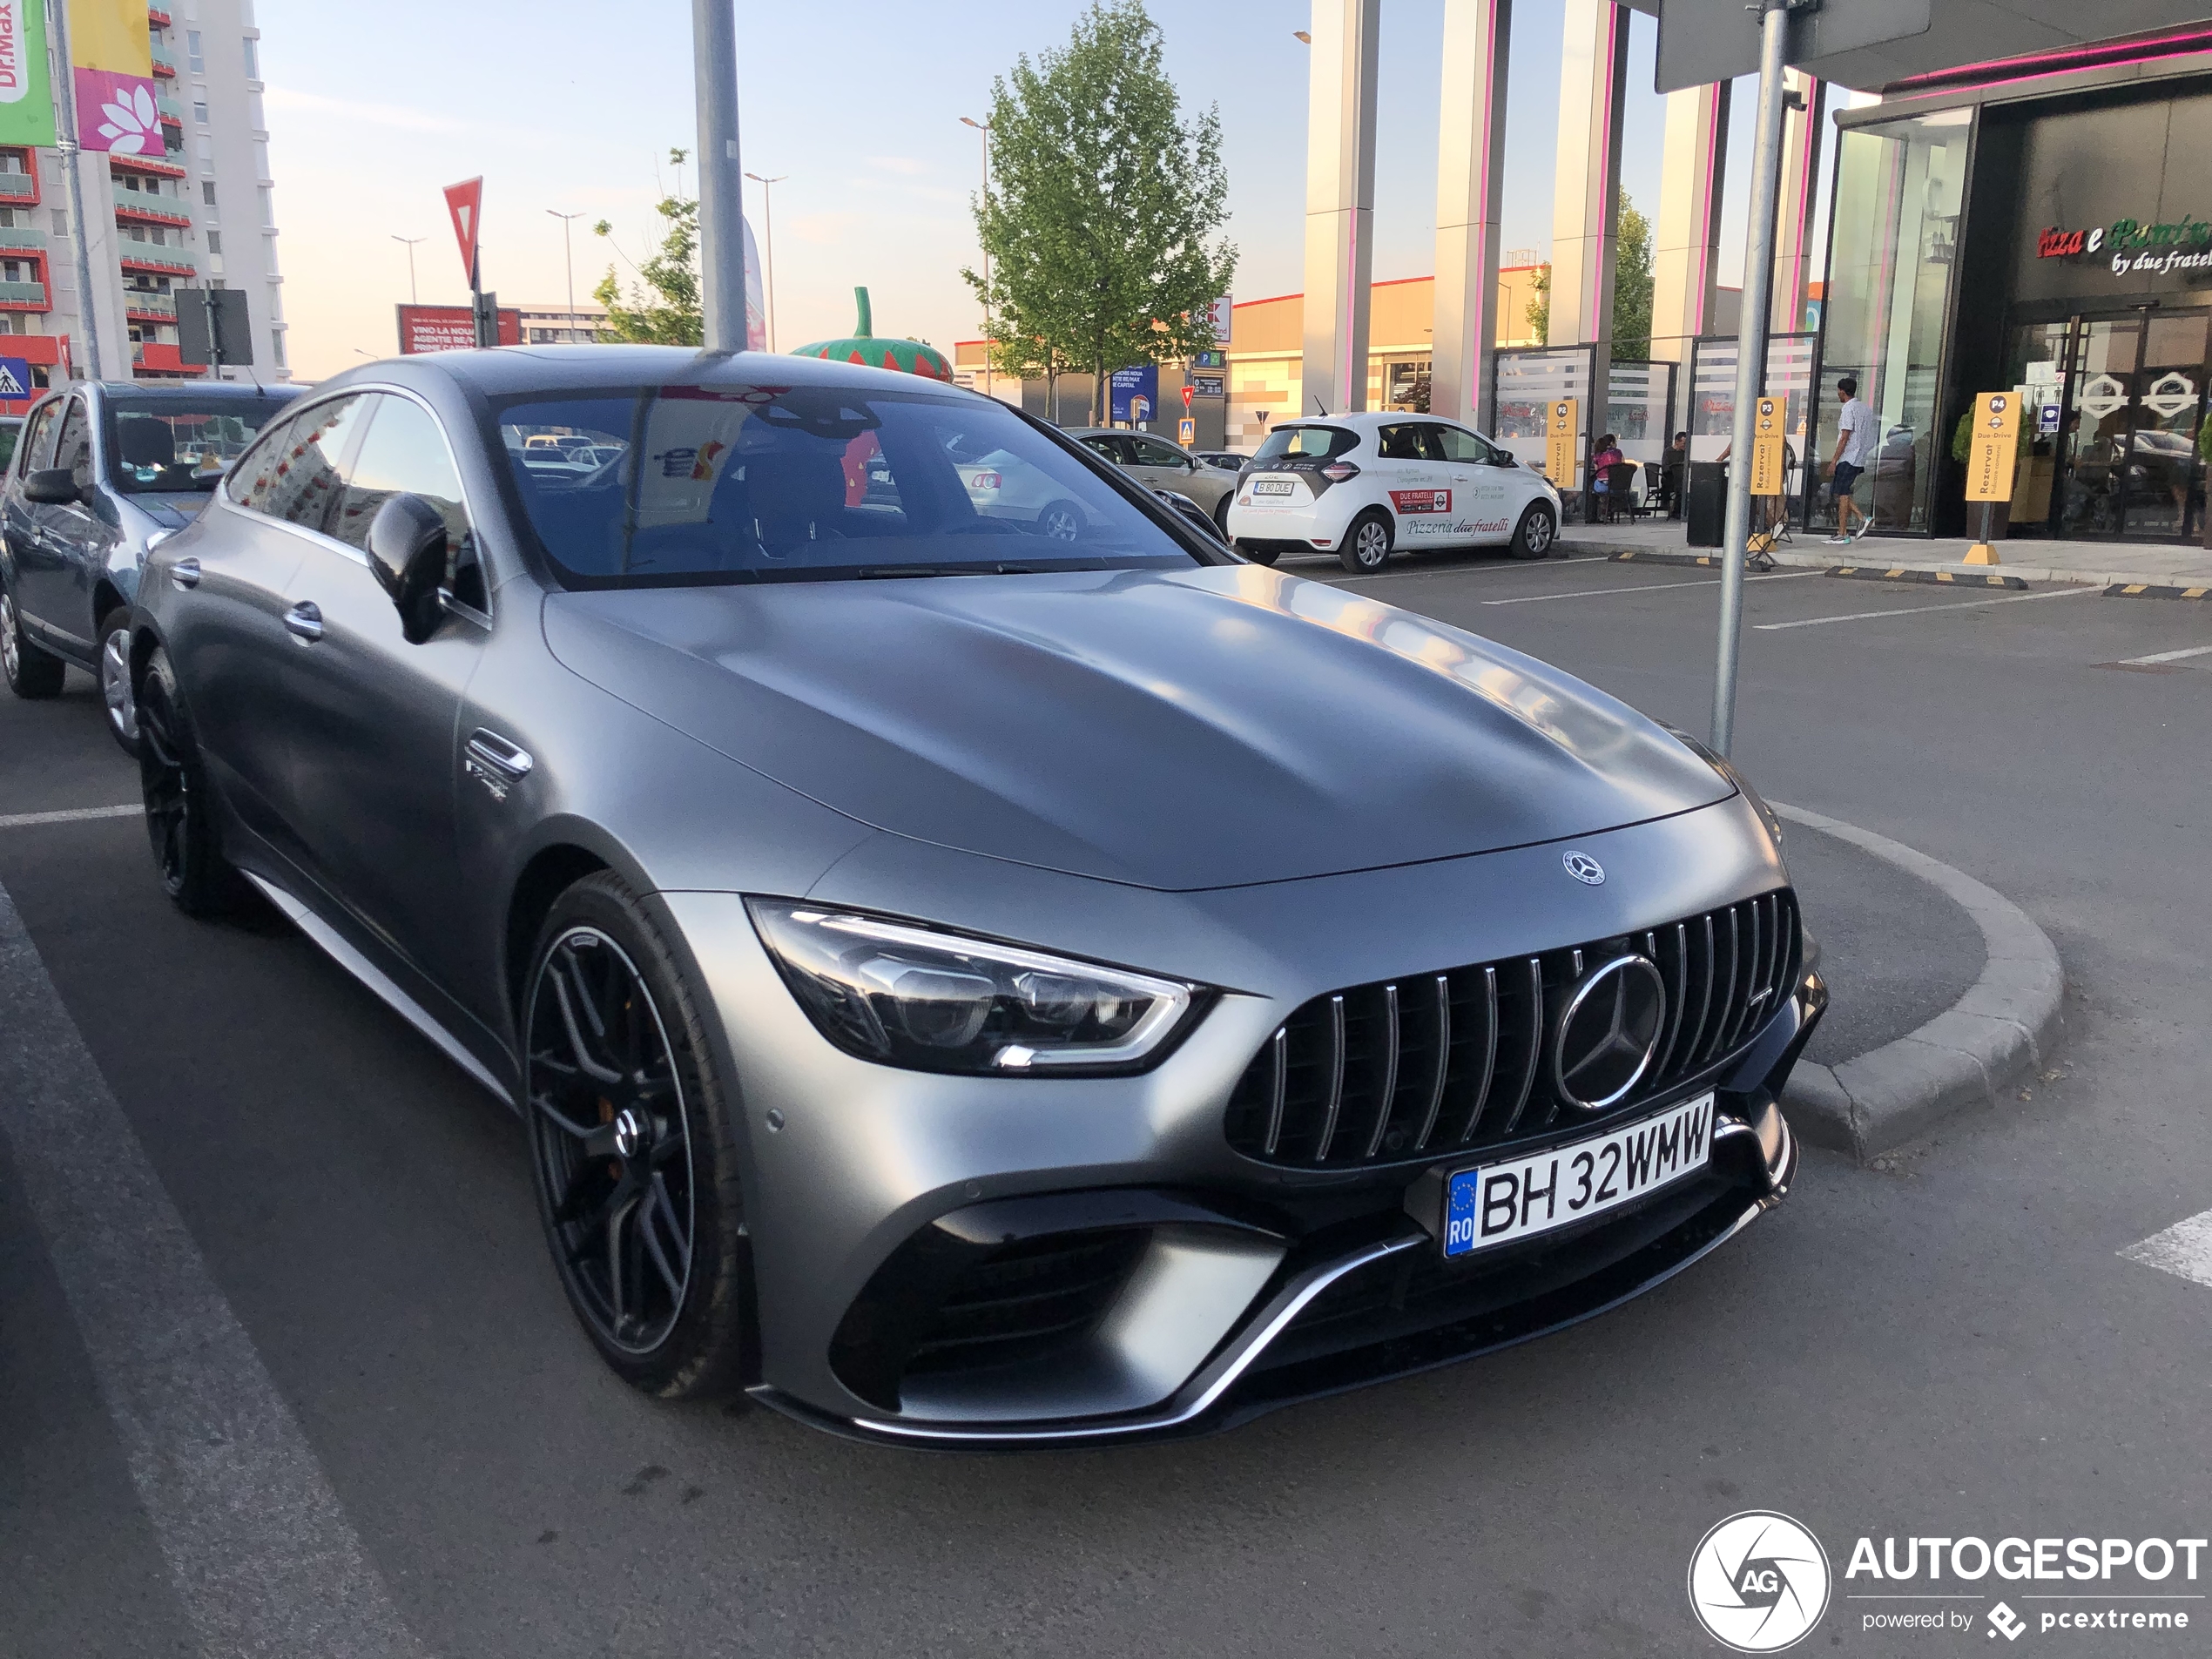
{"x":2040,"y":222}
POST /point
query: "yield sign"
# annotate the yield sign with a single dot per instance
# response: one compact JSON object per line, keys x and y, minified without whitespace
{"x":463,"y":201}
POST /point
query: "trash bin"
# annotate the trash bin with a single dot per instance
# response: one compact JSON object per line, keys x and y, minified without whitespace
{"x":1706,"y":507}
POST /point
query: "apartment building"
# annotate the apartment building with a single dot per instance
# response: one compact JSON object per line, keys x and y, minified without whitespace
{"x":199,"y":212}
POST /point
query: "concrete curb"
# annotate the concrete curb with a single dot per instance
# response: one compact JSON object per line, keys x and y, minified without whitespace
{"x":1817,"y":555}
{"x":2006,"y":1024}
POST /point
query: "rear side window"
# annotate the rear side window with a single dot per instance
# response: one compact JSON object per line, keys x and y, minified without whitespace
{"x":1415,"y":441}
{"x":1115,"y":447}
{"x":293,"y":474}
{"x":1307,"y":442}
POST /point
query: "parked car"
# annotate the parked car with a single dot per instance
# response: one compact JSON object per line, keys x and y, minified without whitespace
{"x":1362,"y":485}
{"x":1158,"y":464}
{"x":966,"y":987}
{"x":104,"y":472}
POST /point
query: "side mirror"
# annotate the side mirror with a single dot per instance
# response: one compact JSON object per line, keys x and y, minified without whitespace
{"x":49,"y":486}
{"x":407,"y":552}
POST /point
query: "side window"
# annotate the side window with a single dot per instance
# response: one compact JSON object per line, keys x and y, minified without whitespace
{"x":1466,"y":447}
{"x":1405,"y":443}
{"x":1115,"y":447}
{"x":75,"y":448}
{"x":1152,"y":453}
{"x":37,"y":438}
{"x":293,"y":474}
{"x":405,"y":451}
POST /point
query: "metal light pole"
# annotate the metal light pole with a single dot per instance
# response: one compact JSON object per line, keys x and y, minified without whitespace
{"x":768,"y":229}
{"x":714,"y":75}
{"x":1750,"y":358}
{"x":984,"y":127}
{"x":568,"y":263}
{"x":65,"y":145}
{"x":413,"y":297}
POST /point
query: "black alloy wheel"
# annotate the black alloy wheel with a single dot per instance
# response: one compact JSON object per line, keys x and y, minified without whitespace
{"x":30,"y":671}
{"x":179,"y":825}
{"x":1532,"y":537}
{"x":1365,"y":549}
{"x":628,"y":1146}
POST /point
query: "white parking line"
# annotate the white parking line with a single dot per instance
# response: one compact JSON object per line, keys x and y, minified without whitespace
{"x":2184,"y":1249}
{"x":1916,"y":611}
{"x":2166,"y":655}
{"x":259,"y":1550}
{"x":73,"y":815}
{"x":1520,"y":566}
{"x":1648,"y":586}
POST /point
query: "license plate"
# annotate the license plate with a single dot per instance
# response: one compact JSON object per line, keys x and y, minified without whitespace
{"x":1496,"y":1204}
{"x":1271,"y":486}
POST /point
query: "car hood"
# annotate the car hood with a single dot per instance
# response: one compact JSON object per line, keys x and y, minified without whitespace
{"x":1215,"y":727}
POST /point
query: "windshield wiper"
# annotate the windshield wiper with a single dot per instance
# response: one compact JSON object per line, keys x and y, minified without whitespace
{"x":874,"y":572}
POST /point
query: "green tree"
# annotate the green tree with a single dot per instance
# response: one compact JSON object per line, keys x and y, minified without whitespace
{"x":1632,"y":284}
{"x":1631,"y":289}
{"x":1101,"y":215}
{"x":662,"y":307}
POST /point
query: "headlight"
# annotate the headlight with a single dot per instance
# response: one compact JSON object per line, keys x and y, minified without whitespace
{"x":906,"y":994}
{"x":1721,"y":764}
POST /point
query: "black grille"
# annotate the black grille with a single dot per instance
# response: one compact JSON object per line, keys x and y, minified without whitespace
{"x":1439,"y":1062}
{"x":1026,"y":1300}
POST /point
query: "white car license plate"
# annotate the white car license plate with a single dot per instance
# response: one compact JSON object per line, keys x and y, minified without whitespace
{"x":1271,"y":486}
{"x":1496,"y":1203}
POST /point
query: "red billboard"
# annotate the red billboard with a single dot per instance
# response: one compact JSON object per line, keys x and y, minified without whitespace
{"x":427,"y":329}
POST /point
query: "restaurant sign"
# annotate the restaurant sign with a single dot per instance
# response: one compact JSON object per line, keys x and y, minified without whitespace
{"x":2135,"y":248}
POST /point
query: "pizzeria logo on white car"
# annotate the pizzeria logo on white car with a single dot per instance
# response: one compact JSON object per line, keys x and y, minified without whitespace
{"x":1421,"y":501}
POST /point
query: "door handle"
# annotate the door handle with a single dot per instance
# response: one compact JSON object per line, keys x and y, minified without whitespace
{"x":184,"y":573}
{"x":304,"y":622}
{"x":502,"y":757}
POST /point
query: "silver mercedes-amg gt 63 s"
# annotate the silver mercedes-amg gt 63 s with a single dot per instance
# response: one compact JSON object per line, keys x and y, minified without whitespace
{"x":963,"y":985}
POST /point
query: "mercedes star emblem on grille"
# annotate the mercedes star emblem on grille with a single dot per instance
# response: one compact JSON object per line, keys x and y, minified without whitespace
{"x":1606,"y":1035}
{"x":1584,"y":869}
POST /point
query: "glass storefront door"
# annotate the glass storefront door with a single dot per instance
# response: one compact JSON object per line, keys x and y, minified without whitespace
{"x":2128,"y":465}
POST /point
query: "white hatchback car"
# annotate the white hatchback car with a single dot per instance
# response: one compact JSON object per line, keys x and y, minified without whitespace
{"x":1362,"y":485}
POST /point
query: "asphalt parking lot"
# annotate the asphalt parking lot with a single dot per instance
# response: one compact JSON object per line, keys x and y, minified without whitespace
{"x":1950,"y":1344}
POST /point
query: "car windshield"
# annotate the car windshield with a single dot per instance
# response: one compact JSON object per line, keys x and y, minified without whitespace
{"x":174,"y":444}
{"x":687,"y":484}
{"x":1314,"y":442}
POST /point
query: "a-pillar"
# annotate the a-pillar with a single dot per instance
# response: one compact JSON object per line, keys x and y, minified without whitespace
{"x":1470,"y":181}
{"x":1685,"y":255}
{"x":1339,"y":204}
{"x":1794,"y":230}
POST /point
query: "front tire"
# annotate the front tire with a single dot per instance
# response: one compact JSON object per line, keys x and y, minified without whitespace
{"x":116,"y":687}
{"x":632,"y":1140}
{"x":1533,"y":536}
{"x":1365,"y":548}
{"x":31,"y":672}
{"x":181,"y":823}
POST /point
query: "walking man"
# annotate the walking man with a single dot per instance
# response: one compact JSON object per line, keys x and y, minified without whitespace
{"x":1854,"y":440}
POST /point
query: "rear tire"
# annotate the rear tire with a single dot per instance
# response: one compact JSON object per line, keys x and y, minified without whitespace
{"x":116,"y":688}
{"x":633,"y":1148}
{"x":1365,"y":547}
{"x":180,"y":821}
{"x":1061,"y":521}
{"x":1533,"y":536}
{"x":31,"y":672}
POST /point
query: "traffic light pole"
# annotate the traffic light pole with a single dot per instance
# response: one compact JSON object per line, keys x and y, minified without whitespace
{"x":1750,"y":359}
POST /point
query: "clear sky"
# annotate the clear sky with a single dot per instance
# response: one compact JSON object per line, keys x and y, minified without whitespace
{"x":564,"y":105}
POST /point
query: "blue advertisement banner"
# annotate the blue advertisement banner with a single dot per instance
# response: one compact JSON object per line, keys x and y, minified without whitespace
{"x":1136,"y":393}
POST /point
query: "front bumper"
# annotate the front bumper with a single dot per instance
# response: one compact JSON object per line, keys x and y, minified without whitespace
{"x":1000,"y":1262}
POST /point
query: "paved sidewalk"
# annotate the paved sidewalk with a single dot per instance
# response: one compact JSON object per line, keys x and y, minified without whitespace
{"x":2098,"y":564}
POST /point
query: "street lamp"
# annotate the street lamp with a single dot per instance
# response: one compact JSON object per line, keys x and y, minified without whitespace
{"x":984,"y":127}
{"x":568,"y":261}
{"x":413,"y":297}
{"x":768,"y":225}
